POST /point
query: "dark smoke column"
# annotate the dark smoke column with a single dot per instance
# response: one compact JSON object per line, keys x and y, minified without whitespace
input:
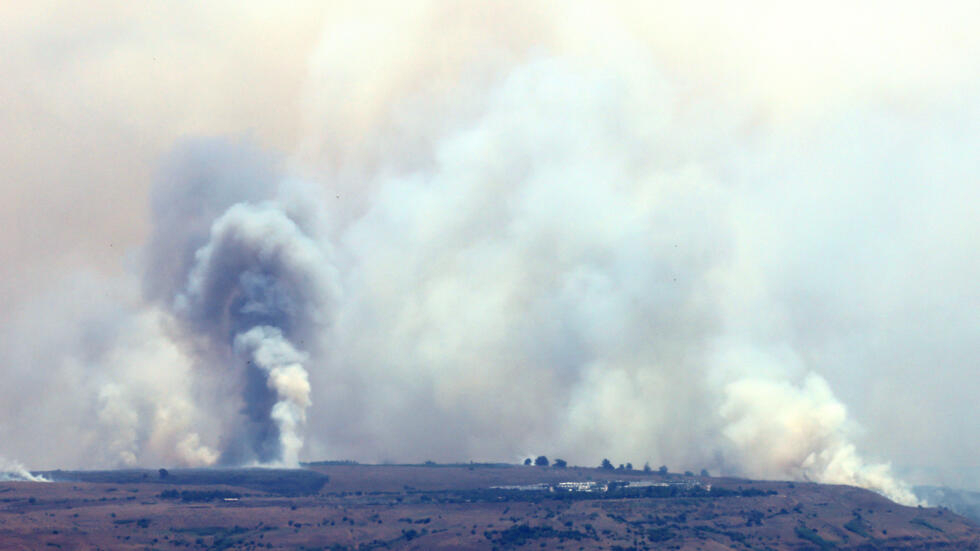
{"x":256,"y":288}
{"x":248,"y":288}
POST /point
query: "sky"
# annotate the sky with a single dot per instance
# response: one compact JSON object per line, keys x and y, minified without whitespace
{"x":739,"y":238}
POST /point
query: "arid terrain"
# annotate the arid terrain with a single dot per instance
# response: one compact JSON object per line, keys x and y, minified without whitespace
{"x":349,"y":506}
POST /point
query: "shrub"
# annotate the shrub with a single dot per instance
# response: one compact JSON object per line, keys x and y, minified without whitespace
{"x":811,"y":536}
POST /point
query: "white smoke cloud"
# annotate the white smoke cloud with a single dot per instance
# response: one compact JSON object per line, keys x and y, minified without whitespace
{"x":560,"y":241}
{"x":103,"y":381}
{"x":803,"y":430}
{"x":283,"y":364}
{"x":13,"y":471}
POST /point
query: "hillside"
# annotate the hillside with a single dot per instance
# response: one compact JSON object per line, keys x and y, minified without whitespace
{"x":963,"y":502}
{"x":346,"y":506}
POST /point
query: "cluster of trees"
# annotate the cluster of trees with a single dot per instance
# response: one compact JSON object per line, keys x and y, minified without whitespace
{"x":607,"y":465}
{"x":662,"y":470}
{"x":542,"y":461}
{"x":521,"y":534}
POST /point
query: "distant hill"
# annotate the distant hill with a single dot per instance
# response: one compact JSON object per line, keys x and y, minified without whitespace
{"x":963,"y":502}
{"x":287,"y":482}
{"x":344,"y":506}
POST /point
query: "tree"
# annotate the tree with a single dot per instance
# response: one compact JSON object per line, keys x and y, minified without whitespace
{"x":688,"y":473}
{"x":559,"y":464}
{"x":527,"y":461}
{"x":646,"y":467}
{"x":163,"y":473}
{"x":606,"y":464}
{"x":541,"y":461}
{"x":662,"y":470}
{"x":629,"y":466}
{"x":704,"y":472}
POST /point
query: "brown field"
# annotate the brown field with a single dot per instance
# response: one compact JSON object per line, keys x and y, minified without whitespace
{"x":453,"y":507}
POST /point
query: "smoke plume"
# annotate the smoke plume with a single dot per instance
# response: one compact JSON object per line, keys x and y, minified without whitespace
{"x":578,"y":230}
{"x":258,"y":287}
{"x":12,"y":470}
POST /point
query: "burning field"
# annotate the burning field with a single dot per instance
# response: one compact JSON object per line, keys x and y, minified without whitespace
{"x":240,"y":238}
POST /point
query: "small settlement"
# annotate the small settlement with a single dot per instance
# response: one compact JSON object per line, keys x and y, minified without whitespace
{"x":592,"y":486}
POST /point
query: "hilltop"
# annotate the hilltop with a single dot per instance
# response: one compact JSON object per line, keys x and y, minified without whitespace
{"x":343,"y":506}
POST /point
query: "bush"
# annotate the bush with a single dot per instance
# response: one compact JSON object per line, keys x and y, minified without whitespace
{"x":811,"y":536}
{"x":521,"y":534}
{"x":858,"y":526}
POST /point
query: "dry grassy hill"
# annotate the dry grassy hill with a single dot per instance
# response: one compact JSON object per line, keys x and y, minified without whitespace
{"x":343,"y":506}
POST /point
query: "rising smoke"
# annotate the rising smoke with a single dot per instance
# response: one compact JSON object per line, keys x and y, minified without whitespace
{"x":251,"y":289}
{"x":13,"y":471}
{"x":547,"y":237}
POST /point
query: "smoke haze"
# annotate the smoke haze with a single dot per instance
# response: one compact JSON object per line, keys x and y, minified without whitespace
{"x":741,"y":242}
{"x":11,"y":470}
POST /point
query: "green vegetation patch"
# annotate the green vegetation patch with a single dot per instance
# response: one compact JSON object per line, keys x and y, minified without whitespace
{"x":926,"y":523}
{"x":522,"y":533}
{"x":811,"y":535}
{"x":219,"y":531}
{"x":192,"y":496}
{"x":859,"y":526}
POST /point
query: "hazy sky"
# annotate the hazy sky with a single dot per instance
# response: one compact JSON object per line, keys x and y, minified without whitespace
{"x":665,"y":231}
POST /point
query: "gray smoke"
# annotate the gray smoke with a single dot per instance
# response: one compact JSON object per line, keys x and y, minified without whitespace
{"x":588,"y":231}
{"x":248,"y":288}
